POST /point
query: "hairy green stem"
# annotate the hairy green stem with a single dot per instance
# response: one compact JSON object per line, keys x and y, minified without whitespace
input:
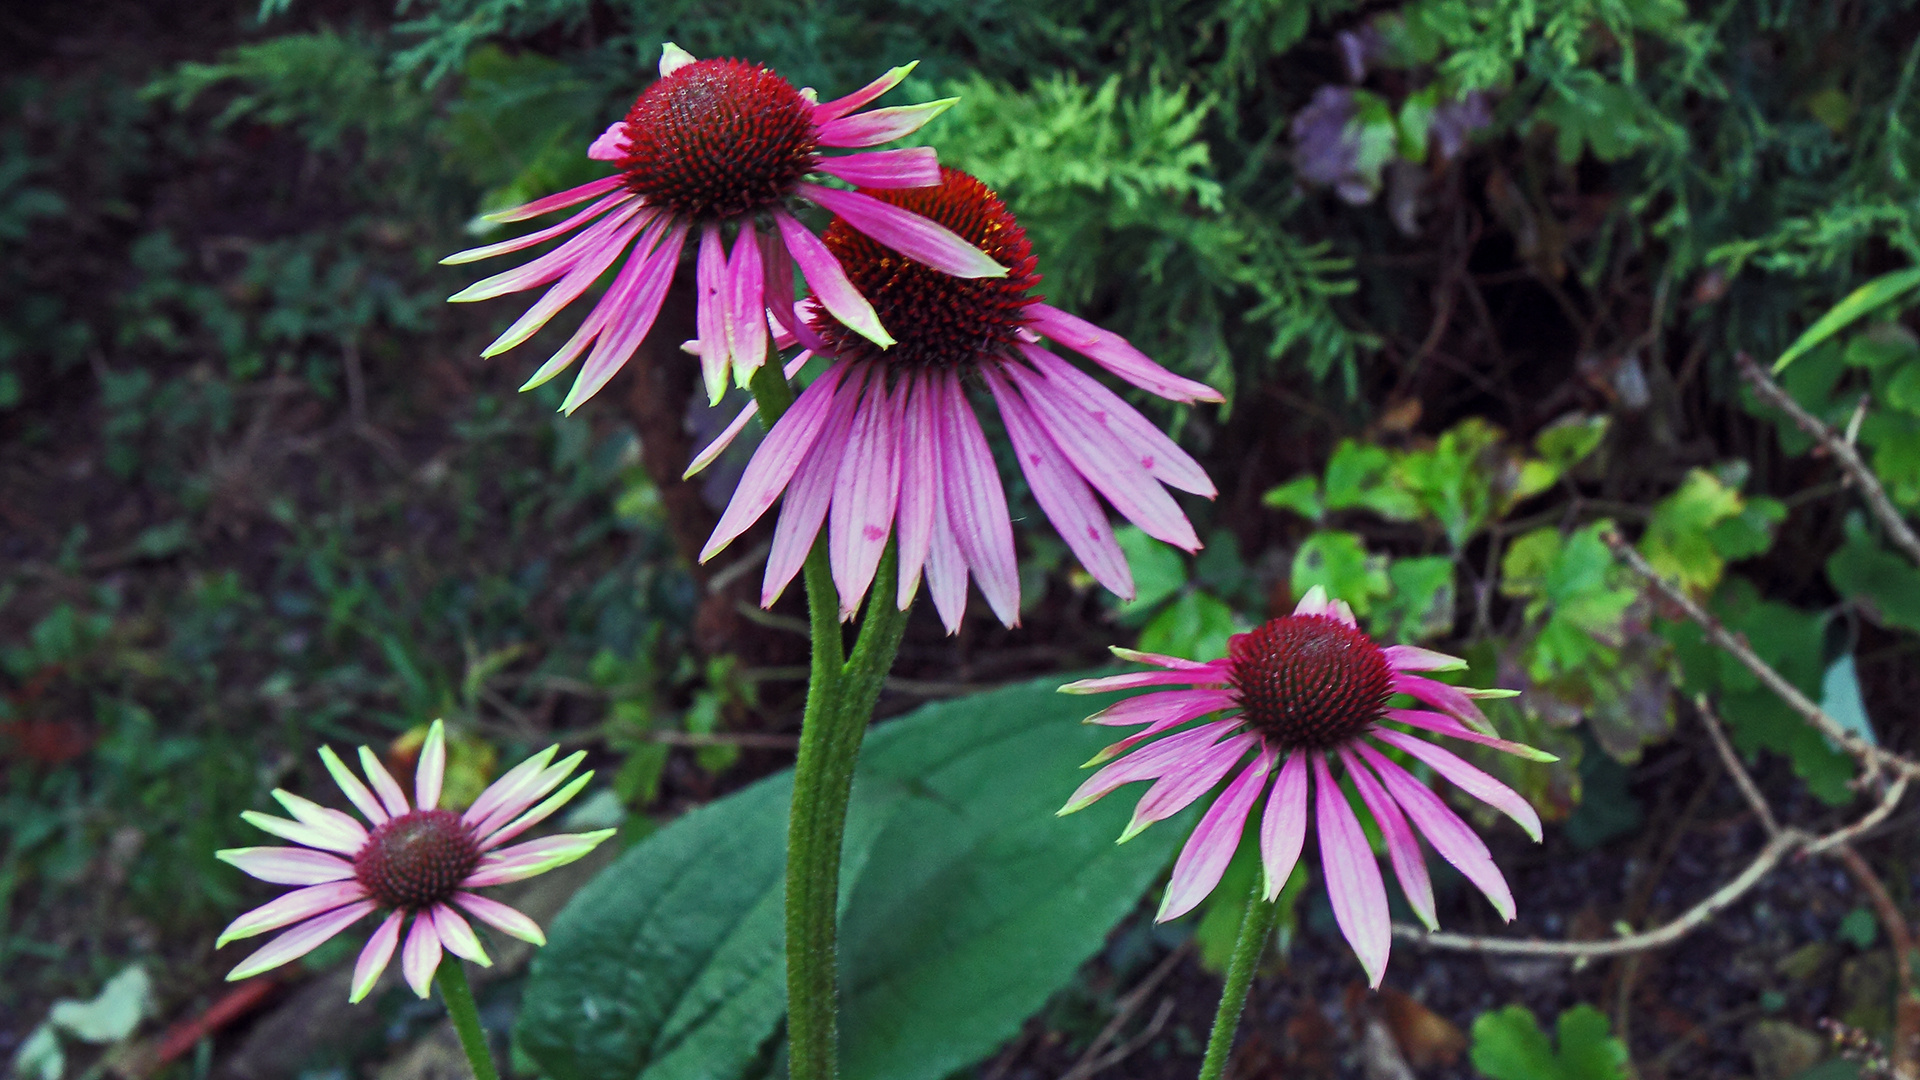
{"x":451,"y":978}
{"x":1255,"y":925}
{"x":841,"y":692}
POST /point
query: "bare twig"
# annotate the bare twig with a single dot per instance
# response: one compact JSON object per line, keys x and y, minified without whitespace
{"x":1888,"y":801}
{"x":1734,"y":768}
{"x":1097,"y":1057}
{"x":1842,"y":450}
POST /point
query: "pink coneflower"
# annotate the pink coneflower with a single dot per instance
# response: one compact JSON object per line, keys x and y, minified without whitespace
{"x":417,"y":863}
{"x":887,"y":440}
{"x":1300,"y":688}
{"x":714,"y":143}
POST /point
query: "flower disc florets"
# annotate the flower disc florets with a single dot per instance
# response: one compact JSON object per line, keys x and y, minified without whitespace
{"x":939,"y":320}
{"x":717,"y":139}
{"x":1309,"y":681}
{"x":417,"y":860}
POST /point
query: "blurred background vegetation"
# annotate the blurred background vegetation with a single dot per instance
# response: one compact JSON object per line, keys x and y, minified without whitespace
{"x":1472,"y":273}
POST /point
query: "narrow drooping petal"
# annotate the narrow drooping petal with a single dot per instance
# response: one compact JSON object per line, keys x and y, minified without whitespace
{"x":946,"y":567}
{"x":1283,"y":828}
{"x":1453,"y":838}
{"x":1148,"y":708}
{"x":746,"y":297}
{"x":324,"y":817}
{"x":1415,"y":658}
{"x":533,"y":857}
{"x":539,"y":813}
{"x":508,"y":787}
{"x":1211,"y":847}
{"x":907,"y":233}
{"x":1175,"y":791}
{"x":725,"y":439}
{"x":976,"y":505}
{"x":829,"y":282}
{"x":326,"y":838}
{"x":420,"y":956}
{"x":779,"y":295}
{"x":1447,"y":699}
{"x":712,"y":305}
{"x":287,"y":866}
{"x":384,"y":784}
{"x":1132,"y":680}
{"x":919,"y":489}
{"x":909,"y":168}
{"x":1158,"y":455}
{"x":810,"y":494}
{"x":300,"y":940}
{"x":432,"y":768}
{"x":529,"y":792}
{"x":866,"y":493}
{"x":1150,"y":763}
{"x":630,"y":326}
{"x":1354,"y":886}
{"x":774,"y":464}
{"x":557,"y":201}
{"x":594,"y":241}
{"x":1061,"y":493}
{"x":1442,"y":724}
{"x":521,"y":243}
{"x":1172,"y":718}
{"x":576,"y":281}
{"x":500,"y":917}
{"x":373,"y":958}
{"x":841,"y":106}
{"x":1111,"y":351}
{"x":350,"y":785}
{"x":291,"y":908}
{"x":456,"y":935}
{"x":1403,"y":847}
{"x":1468,"y":778}
{"x":1106,"y":463}
{"x":880,"y":125}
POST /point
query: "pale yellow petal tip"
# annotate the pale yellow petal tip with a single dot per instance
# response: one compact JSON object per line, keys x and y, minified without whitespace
{"x":1133,"y":829}
{"x":359,"y":994}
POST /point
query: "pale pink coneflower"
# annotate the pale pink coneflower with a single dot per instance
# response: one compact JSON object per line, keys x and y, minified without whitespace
{"x":717,"y":143}
{"x":1300,"y":688}
{"x":418,"y":863}
{"x":885,"y":443}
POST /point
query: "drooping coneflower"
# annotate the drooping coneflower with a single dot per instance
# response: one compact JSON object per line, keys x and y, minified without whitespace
{"x":1300,"y":688}
{"x":418,"y":863}
{"x":713,"y":143}
{"x":886,"y":441}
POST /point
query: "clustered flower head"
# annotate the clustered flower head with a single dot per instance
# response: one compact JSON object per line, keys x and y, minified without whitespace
{"x":712,"y":145}
{"x":885,"y":443}
{"x":1291,"y":694}
{"x":418,"y":863}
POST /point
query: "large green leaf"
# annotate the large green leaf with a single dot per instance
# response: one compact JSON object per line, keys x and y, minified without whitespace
{"x":965,"y":905}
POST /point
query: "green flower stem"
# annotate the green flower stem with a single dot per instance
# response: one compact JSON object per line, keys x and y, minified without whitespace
{"x":1255,"y":925}
{"x":451,"y":977}
{"x":841,"y":692}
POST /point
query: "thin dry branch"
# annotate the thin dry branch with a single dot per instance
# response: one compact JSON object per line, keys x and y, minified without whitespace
{"x":1842,"y":450}
{"x":1748,"y":789}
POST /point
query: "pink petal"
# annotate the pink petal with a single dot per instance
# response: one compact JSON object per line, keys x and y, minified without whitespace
{"x":919,"y":487}
{"x":538,"y":814}
{"x":431,"y":770}
{"x":1354,"y":885}
{"x":534,"y":857}
{"x":829,"y":282}
{"x":810,"y":491}
{"x":1314,"y":603}
{"x":540,"y":236}
{"x":976,"y":504}
{"x":1446,"y":698}
{"x":1451,"y":837}
{"x":1283,"y":828}
{"x":946,"y":567}
{"x":1062,"y":495}
{"x":325,"y":838}
{"x":711,"y":307}
{"x":1415,"y":658}
{"x":1343,"y":611}
{"x":529,"y":792}
{"x":841,"y":106}
{"x":879,"y":126}
{"x":1150,"y":763}
{"x":391,"y":796}
{"x":1442,"y":724}
{"x":1172,"y":718}
{"x":559,"y":201}
{"x":866,"y":492}
{"x":355,"y":791}
{"x":1466,"y":777}
{"x":1132,"y":680}
{"x":774,"y":463}
{"x":1176,"y":790}
{"x":508,"y":788}
{"x":291,"y":908}
{"x":1220,"y":669}
{"x":746,"y":293}
{"x":1111,"y":351}
{"x":500,"y":917}
{"x":913,"y":167}
{"x":591,"y":241}
{"x":1403,"y":847}
{"x":323,"y":817}
{"x":299,"y":941}
{"x":457,"y":936}
{"x":1149,"y":708}
{"x":612,"y":143}
{"x":373,"y":959}
{"x":286,"y":865}
{"x":1106,"y":463}
{"x":615,"y":347}
{"x":420,"y":956}
{"x":575,"y":282}
{"x":1158,"y":455}
{"x":1214,"y":840}
{"x":906,"y":232}
{"x":719,"y":445}
{"x":779,"y":293}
